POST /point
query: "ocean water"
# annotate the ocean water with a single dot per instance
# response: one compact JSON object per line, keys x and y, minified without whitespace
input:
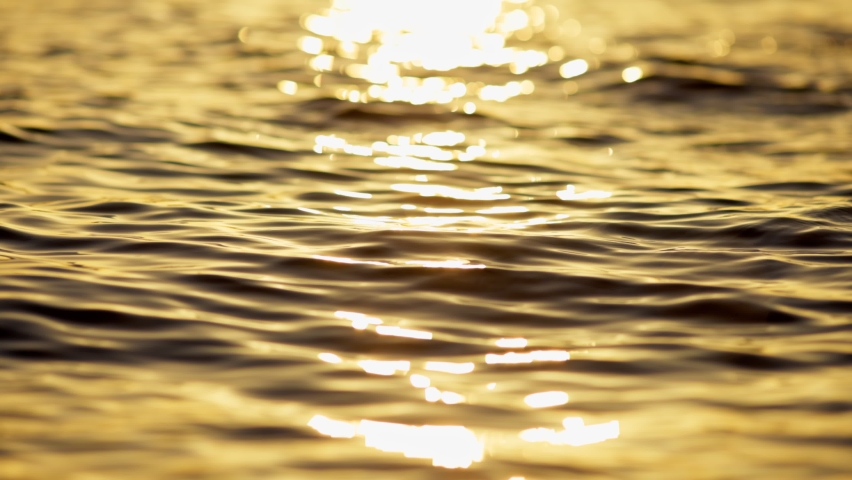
{"x":422,"y":239}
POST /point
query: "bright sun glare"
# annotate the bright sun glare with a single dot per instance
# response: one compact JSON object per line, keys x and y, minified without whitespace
{"x":390,"y":43}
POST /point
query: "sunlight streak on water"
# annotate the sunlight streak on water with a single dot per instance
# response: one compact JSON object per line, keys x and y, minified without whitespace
{"x":403,"y":332}
{"x":455,"y":446}
{"x":449,"y":367}
{"x":462,"y":264}
{"x":349,"y":260}
{"x":632,"y":74}
{"x":546,"y":399}
{"x":435,"y":151}
{"x":536,"y":356}
{"x":359,"y":320}
{"x":431,"y":146}
{"x":329,"y":358}
{"x":575,"y":434}
{"x":511,"y":342}
{"x":384,"y":367}
{"x":420,"y":381}
{"x":378,"y":41}
{"x":332,"y":428}
{"x":446,"y":446}
{"x":574,"y":68}
{"x":485,"y":193}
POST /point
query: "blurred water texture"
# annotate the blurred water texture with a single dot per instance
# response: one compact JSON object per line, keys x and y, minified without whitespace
{"x":419,"y":239}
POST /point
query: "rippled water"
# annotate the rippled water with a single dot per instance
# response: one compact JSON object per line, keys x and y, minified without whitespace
{"x":224,"y":257}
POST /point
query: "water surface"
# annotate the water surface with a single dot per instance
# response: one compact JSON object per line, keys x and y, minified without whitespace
{"x":425,"y":239}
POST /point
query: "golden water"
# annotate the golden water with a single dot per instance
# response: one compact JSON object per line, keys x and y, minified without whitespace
{"x":392,"y":239}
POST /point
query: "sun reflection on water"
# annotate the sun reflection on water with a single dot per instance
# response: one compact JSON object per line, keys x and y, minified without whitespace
{"x":420,"y":381}
{"x":451,"y":446}
{"x":431,"y":146}
{"x":403,"y":332}
{"x":450,"y":367}
{"x":576,"y":433}
{"x":384,"y":367}
{"x":546,"y":399}
{"x":413,"y":51}
{"x":450,"y":263}
{"x":329,"y":357}
{"x":448,"y":446}
{"x":390,"y":45}
{"x":527,"y":357}
{"x":439,"y":151}
{"x":359,"y":320}
{"x":511,"y":342}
